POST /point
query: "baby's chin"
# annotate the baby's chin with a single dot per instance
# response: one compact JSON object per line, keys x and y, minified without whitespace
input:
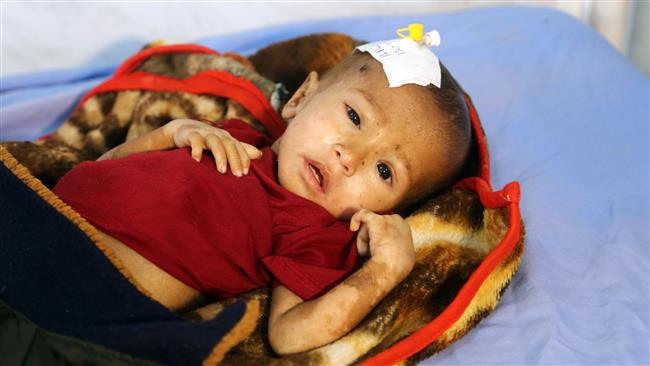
{"x":338,"y":212}
{"x":344,"y":214}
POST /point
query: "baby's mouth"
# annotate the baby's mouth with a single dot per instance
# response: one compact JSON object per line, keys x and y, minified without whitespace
{"x":317,"y":174}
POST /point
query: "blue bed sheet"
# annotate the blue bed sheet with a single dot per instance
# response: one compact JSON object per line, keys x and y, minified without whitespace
{"x":565,"y":115}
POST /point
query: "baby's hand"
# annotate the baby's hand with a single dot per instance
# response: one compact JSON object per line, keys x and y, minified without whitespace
{"x":387,"y":238}
{"x":225,"y":148}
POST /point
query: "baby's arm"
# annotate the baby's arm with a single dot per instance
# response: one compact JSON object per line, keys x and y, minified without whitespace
{"x":296,"y":326}
{"x":197,"y":135}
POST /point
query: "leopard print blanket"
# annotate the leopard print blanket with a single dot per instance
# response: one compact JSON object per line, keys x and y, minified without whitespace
{"x":453,"y":232}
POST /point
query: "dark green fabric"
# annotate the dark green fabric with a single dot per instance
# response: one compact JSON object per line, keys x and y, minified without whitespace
{"x":24,"y":343}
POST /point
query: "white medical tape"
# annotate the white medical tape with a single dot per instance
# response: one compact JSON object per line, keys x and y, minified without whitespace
{"x":406,"y":61}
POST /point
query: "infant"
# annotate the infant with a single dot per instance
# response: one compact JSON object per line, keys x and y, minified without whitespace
{"x":354,"y":154}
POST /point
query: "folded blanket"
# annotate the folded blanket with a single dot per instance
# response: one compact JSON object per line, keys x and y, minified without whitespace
{"x":468,"y":240}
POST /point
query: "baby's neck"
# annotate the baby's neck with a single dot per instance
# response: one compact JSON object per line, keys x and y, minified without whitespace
{"x":276,"y":146}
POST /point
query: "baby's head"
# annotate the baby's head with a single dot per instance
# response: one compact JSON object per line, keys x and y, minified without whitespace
{"x":352,"y":142}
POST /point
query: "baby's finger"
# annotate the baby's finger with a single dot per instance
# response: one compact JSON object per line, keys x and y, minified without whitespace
{"x":233,"y":157}
{"x":363,"y":241}
{"x":252,"y":151}
{"x":243,"y":156}
{"x":359,"y":217}
{"x":218,"y":151}
{"x":197,"y":145}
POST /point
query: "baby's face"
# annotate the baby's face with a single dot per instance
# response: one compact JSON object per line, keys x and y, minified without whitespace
{"x":354,"y":143}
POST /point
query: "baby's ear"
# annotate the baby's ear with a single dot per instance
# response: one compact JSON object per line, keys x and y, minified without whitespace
{"x":300,"y":97}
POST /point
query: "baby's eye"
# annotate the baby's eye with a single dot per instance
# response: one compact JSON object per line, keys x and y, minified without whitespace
{"x":353,"y":116}
{"x":384,"y":172}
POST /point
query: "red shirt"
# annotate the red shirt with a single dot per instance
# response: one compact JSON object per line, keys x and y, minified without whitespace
{"x":219,"y":234}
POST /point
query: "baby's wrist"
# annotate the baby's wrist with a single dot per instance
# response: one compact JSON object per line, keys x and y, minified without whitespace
{"x":170,"y":129}
{"x":393,"y":267}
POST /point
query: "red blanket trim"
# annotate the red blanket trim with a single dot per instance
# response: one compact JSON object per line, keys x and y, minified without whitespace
{"x":508,"y":196}
{"x":135,"y":60}
{"x":213,"y":82}
{"x":479,"y":137}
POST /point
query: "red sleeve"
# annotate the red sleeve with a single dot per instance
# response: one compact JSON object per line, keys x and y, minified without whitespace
{"x":244,"y":132}
{"x":313,"y":265}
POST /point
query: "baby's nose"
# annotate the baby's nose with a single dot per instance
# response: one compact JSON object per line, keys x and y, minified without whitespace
{"x":350,"y":158}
